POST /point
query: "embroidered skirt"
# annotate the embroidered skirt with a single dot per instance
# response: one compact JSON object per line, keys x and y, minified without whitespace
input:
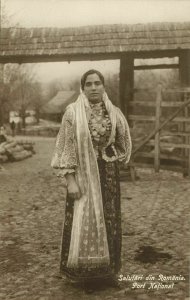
{"x":110,"y":186}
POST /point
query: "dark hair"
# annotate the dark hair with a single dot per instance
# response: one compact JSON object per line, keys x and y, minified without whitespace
{"x":90,"y":72}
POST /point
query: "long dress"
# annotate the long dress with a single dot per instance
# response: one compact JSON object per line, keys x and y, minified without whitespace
{"x":100,"y":127}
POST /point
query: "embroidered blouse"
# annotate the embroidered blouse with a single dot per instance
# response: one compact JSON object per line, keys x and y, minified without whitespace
{"x":65,"y":154}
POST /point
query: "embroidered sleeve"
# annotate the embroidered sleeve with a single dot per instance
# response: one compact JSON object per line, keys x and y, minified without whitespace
{"x":123,"y":143}
{"x":64,"y":156}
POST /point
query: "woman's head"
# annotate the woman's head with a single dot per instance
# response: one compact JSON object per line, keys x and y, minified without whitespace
{"x":90,"y":72}
{"x":92,"y":84}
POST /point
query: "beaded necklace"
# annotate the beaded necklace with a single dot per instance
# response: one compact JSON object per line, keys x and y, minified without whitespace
{"x":99,"y":124}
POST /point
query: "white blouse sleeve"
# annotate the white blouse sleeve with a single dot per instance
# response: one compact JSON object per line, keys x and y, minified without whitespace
{"x":64,"y":156}
{"x":123,"y":142}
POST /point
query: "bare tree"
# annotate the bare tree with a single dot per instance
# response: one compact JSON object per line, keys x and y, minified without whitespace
{"x":25,"y":91}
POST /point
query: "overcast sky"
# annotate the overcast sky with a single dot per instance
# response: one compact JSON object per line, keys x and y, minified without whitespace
{"x":62,"y":13}
{"x":77,"y":12}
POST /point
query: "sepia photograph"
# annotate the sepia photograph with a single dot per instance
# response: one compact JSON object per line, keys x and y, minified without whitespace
{"x":94,"y":149}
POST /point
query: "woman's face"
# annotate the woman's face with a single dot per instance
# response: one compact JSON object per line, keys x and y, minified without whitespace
{"x":93,"y":88}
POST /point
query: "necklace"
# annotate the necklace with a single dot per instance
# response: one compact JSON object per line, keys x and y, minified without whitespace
{"x":99,"y":123}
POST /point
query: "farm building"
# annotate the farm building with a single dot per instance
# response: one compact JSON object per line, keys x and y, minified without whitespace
{"x":127,"y":43}
{"x":54,"y":109}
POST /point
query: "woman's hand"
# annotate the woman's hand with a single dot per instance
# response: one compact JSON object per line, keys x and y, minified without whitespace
{"x":72,"y":187}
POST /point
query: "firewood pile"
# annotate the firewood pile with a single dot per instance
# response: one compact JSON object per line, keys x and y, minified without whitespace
{"x":14,"y":150}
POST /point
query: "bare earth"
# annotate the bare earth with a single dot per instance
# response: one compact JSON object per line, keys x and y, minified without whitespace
{"x":155,"y":233}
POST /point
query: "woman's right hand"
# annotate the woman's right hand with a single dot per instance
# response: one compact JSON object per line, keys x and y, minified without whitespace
{"x":72,"y":187}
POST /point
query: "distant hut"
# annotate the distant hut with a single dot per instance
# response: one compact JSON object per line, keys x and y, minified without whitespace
{"x":55,"y":108}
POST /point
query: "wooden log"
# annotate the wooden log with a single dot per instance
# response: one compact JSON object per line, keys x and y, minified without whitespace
{"x":3,"y":158}
{"x":28,"y":147}
{"x":3,"y":144}
{"x":2,"y":150}
{"x":10,"y":145}
{"x":17,"y":156}
{"x":21,"y":142}
{"x":17,"y":148}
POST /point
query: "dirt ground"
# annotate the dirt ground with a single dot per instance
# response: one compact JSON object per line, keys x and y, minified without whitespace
{"x":155,"y":214}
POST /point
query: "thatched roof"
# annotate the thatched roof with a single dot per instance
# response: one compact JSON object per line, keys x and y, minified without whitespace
{"x":58,"y":104}
{"x":90,"y":40}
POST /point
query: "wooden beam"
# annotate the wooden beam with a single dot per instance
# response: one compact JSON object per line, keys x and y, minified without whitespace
{"x":153,"y":104}
{"x":154,"y":67}
{"x":165,"y":156}
{"x":177,"y":90}
{"x":162,"y":166}
{"x":169,"y":145}
{"x":146,"y":118}
{"x":58,"y":58}
{"x":84,"y":57}
{"x":157,"y":53}
{"x":175,"y":133}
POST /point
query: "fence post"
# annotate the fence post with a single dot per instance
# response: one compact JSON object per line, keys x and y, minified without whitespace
{"x":186,"y":164}
{"x":157,"y":125}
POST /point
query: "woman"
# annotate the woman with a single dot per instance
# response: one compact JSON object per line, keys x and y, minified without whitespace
{"x":94,"y":137}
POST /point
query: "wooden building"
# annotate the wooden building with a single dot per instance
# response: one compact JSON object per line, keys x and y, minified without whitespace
{"x":101,"y":42}
{"x":54,"y":109}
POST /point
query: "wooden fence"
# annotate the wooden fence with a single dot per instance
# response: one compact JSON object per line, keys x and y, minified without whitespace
{"x":167,"y":127}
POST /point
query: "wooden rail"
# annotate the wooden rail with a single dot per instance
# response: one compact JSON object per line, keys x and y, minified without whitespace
{"x":160,"y":123}
{"x":153,"y":104}
{"x":153,"y":119}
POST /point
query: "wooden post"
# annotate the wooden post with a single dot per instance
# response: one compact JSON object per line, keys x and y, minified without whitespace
{"x":157,"y":125}
{"x":186,"y":170}
{"x":184,"y":74}
{"x":1,"y":93}
{"x":1,"y":73}
{"x":126,"y":82}
{"x":184,"y":68}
